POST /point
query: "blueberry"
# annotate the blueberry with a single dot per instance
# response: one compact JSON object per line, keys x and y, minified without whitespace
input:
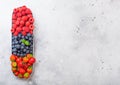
{"x":27,"y":47}
{"x":31,"y":51}
{"x":26,"y":37}
{"x":31,"y":46}
{"x":13,"y":43}
{"x":19,"y":41}
{"x":13,"y":46}
{"x":14,"y":53}
{"x":18,"y":51}
{"x":28,"y":34}
{"x":12,"y":35}
{"x":19,"y":35}
{"x":16,"y":42}
{"x":17,"y":46}
{"x":22,"y":44}
{"x":21,"y":55}
{"x":24,"y":54}
{"x":14,"y":49}
{"x":15,"y":37}
{"x":30,"y":39}
{"x":18,"y":54}
{"x":22,"y":47}
{"x":27,"y":51}
{"x":24,"y":50}
{"x":23,"y":36}
{"x":12,"y":38}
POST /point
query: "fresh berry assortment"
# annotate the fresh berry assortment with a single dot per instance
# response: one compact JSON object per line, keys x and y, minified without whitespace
{"x":22,"y":59}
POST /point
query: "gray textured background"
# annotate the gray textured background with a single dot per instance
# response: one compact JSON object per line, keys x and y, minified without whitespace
{"x":77,"y":42}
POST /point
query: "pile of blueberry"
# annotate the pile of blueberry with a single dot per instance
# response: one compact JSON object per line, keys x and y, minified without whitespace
{"x":22,"y":45}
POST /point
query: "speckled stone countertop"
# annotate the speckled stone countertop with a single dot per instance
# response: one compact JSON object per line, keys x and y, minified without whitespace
{"x":77,"y":42}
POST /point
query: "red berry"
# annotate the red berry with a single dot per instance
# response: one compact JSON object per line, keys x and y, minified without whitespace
{"x":17,"y":22}
{"x":12,"y":57}
{"x":19,"y":9}
{"x":23,"y":7}
{"x":21,"y":70}
{"x":31,"y":20}
{"x":26,"y":29}
{"x":15,"y":33}
{"x":15,"y":10}
{"x":21,"y":22}
{"x":23,"y":28}
{"x":23,"y":13}
{"x":13,"y":21}
{"x":19,"y":14}
{"x":20,"y":64}
{"x":14,"y":17}
{"x":24,"y":18}
{"x":24,"y":33}
{"x":31,"y":32}
{"x":18,"y":29}
{"x":28,"y":11}
{"x":27,"y":23}
{"x":18,"y":60}
{"x":12,"y":30}
{"x":25,"y":66}
{"x":29,"y":69}
{"x":16,"y":73}
{"x":31,"y":27}
{"x":29,"y":15}
{"x":29,"y":64}
{"x":32,"y":60}
{"x":14,"y":26}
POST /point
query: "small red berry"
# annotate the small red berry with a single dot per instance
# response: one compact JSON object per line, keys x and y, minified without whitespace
{"x":16,"y":73}
{"x":28,"y":11}
{"x":23,"y":7}
{"x":31,"y":20}
{"x":13,"y":21}
{"x":19,"y":14}
{"x":27,"y":23}
{"x":26,"y":29}
{"x":29,"y":15}
{"x":14,"y":17}
{"x":12,"y":30}
{"x":15,"y":33}
{"x":20,"y":64}
{"x":24,"y":33}
{"x":15,"y":10}
{"x":31,"y":27}
{"x":31,"y":32}
{"x":21,"y":22}
{"x":17,"y":22}
{"x":24,"y":18}
{"x":23,"y":13}
{"x":21,"y":70}
{"x":18,"y":19}
{"x":18,"y":29}
{"x":14,"y":26}
{"x":32,"y":60}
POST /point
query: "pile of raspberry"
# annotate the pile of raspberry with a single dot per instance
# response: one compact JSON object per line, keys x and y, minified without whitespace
{"x":22,"y":21}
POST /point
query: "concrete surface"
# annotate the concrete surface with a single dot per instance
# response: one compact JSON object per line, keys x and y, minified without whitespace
{"x":77,"y":42}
